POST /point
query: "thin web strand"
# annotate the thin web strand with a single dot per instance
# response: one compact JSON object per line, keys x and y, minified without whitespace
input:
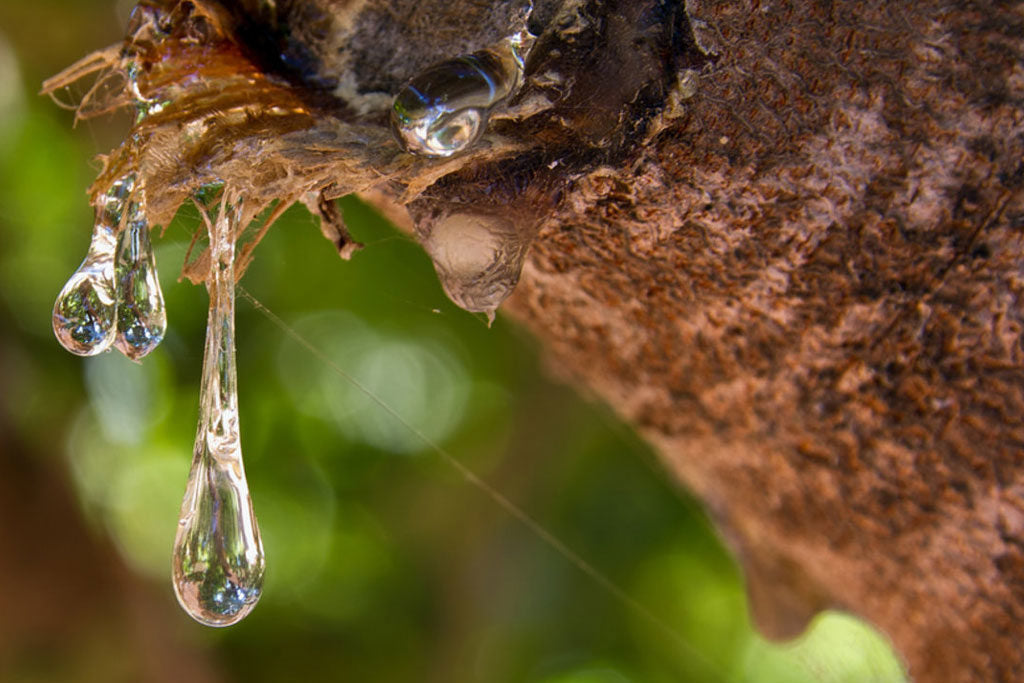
{"x":495,"y":495}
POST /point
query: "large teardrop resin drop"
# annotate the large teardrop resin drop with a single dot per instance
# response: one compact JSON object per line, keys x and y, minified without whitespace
{"x":141,"y":317}
{"x":218,"y":554}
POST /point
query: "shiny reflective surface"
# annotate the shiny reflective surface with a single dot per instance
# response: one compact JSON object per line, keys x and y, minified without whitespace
{"x":141,"y":317}
{"x":444,"y":109}
{"x":218,"y":559}
{"x":84,"y":315}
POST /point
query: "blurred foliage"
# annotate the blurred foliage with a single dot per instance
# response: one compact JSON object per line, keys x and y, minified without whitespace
{"x":384,"y":563}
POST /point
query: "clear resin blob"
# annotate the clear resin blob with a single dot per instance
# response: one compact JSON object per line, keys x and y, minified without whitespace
{"x":444,"y":109}
{"x":218,"y":554}
{"x":85,"y":313}
{"x":141,"y":317}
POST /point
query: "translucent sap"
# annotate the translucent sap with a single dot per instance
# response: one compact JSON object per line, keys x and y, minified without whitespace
{"x":218,"y":554}
{"x":84,"y":315}
{"x":141,"y":317}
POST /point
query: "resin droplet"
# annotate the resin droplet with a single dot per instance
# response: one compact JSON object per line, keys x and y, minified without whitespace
{"x":218,"y":554}
{"x":444,"y":109}
{"x":84,"y":315}
{"x":478,"y":259}
{"x":141,"y":318}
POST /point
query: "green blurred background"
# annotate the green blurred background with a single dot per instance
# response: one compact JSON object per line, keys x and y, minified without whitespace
{"x":384,"y":564}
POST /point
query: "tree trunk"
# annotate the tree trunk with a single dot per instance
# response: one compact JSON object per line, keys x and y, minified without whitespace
{"x":783,"y":239}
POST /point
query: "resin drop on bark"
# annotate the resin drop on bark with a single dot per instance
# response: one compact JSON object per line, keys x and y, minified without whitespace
{"x":478,"y":259}
{"x":444,"y":109}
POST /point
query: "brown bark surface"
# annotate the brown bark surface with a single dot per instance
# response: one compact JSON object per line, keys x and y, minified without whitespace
{"x":783,"y":239}
{"x":807,"y":292}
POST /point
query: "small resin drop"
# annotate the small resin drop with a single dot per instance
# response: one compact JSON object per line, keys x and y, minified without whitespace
{"x":85,"y":313}
{"x":444,"y":109}
{"x":218,"y":554}
{"x":141,"y":318}
{"x":478,"y":259}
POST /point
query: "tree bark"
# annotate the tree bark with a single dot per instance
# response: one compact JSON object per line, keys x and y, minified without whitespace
{"x":806,"y":292}
{"x":783,"y":239}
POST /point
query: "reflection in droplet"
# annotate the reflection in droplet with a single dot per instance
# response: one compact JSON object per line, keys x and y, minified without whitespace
{"x":84,"y":315}
{"x":444,"y":109}
{"x":218,"y":554}
{"x":141,"y":318}
{"x":114,"y":202}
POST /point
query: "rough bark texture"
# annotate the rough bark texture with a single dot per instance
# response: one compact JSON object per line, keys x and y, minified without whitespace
{"x":784,"y":239}
{"x":807,"y":292}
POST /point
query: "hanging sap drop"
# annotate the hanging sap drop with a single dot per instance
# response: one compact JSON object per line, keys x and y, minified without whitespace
{"x":478,"y":258}
{"x":141,"y":317}
{"x":84,"y":315}
{"x":218,"y":554}
{"x":444,"y":109}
